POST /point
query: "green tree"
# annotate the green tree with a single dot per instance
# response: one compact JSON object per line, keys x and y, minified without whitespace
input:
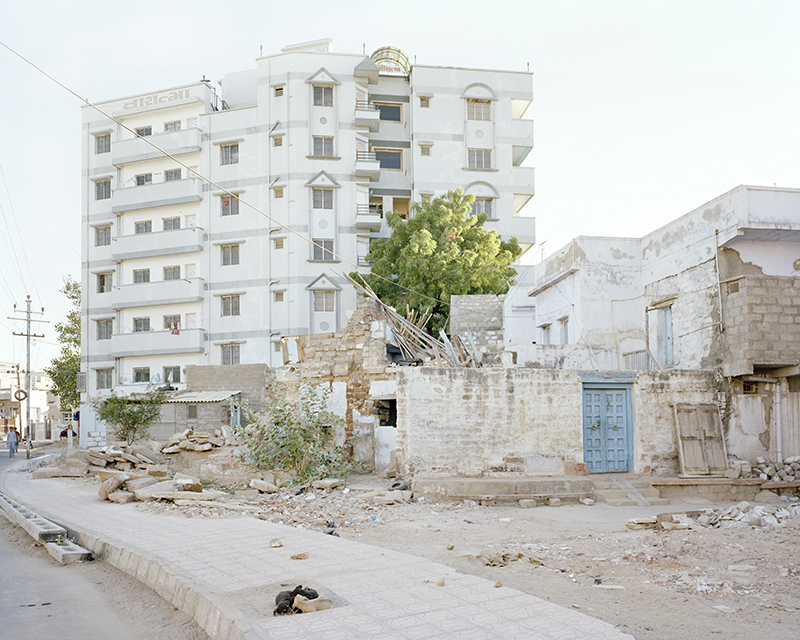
{"x":441,"y":250}
{"x":63,"y":370}
{"x":130,"y":417}
{"x":296,"y":436}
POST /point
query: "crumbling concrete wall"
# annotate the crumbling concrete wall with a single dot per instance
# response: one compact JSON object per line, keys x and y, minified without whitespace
{"x":353,"y":363}
{"x":528,"y":422}
{"x":175,"y":419}
{"x":655,"y":433}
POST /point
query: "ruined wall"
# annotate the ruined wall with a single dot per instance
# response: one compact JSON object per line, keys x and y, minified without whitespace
{"x":528,"y":422}
{"x":480,"y":316}
{"x":175,"y":418}
{"x":250,"y":379}
{"x":353,"y":363}
{"x":655,"y":433}
{"x":488,"y":422}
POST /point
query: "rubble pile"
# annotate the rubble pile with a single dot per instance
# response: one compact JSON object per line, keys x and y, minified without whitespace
{"x":105,"y":462}
{"x":190,"y":440}
{"x":787,"y":472}
{"x":183,"y":490}
{"x":743,"y":514}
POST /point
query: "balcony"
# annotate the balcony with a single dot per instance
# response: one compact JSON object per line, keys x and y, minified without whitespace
{"x":156,"y":293}
{"x":137,"y":149}
{"x":158,"y":194}
{"x":144,"y":245}
{"x":155,"y":343}
{"x":367,"y":165}
{"x":521,"y":140}
{"x":369,"y":216}
{"x":367,"y":115}
{"x":524,"y":230}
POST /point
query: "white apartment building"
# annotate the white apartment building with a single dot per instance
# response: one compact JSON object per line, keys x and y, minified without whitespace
{"x":178,"y":272}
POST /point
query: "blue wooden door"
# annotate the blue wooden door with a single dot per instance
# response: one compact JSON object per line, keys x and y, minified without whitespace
{"x":607,"y":429}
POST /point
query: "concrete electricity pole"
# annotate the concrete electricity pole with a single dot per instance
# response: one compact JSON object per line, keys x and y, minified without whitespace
{"x":27,"y":393}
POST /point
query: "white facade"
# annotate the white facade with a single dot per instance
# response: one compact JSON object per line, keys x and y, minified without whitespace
{"x":176,"y":272}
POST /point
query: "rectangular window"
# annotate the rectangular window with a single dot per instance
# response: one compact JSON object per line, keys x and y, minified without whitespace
{"x":425,"y":150}
{"x":141,"y":325}
{"x":482,"y":205}
{"x":230,"y":305}
{"x":230,"y":254}
{"x":279,"y":296}
{"x":279,"y":243}
{"x":104,"y":329}
{"x":171,"y":224}
{"x":749,"y":387}
{"x":172,"y":273}
{"x":104,"y":378}
{"x":146,"y":226}
{"x":279,"y":92}
{"x":171,"y":127}
{"x":172,"y":374}
{"x":141,"y":275}
{"x":546,"y":334}
{"x":102,"y":190}
{"x":424,"y":102}
{"x":793,"y":383}
{"x":389,"y":159}
{"x":323,"y":301}
{"x":390,"y":112}
{"x":229,"y":154}
{"x":480,"y":159}
{"x":145,"y":178}
{"x":324,"y":251}
{"x":172,"y":322}
{"x":323,"y":96}
{"x":141,"y":374}
{"x":322,"y":198}
{"x":144,"y":131}
{"x":277,"y":192}
{"x":230,"y":354}
{"x":191,"y":411}
{"x":102,"y":143}
{"x":479,"y":110}
{"x":565,"y":331}
{"x":172,"y":175}
{"x":323,"y":146}
{"x":104,"y":281}
{"x":277,"y":141}
{"x":102,"y":236}
{"x":229,"y":206}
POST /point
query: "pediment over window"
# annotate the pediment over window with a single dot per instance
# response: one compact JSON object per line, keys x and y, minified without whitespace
{"x":323,"y":181}
{"x":482,"y":189}
{"x":323,"y":283}
{"x":478,"y":91}
{"x":323,"y":77}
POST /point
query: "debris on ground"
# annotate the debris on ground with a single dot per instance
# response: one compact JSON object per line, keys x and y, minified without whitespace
{"x":190,"y":440}
{"x":299,"y":600}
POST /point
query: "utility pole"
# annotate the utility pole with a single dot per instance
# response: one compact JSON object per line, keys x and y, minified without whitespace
{"x":27,"y":397}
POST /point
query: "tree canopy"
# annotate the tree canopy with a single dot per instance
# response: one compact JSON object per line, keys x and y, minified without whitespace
{"x":63,"y":369}
{"x":130,"y":417}
{"x":441,"y":250}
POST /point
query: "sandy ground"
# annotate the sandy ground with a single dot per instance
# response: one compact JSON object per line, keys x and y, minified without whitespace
{"x":89,"y":599}
{"x":655,"y":585}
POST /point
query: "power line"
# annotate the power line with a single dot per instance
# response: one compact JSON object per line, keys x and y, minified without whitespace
{"x":19,"y":234}
{"x":217,"y":186}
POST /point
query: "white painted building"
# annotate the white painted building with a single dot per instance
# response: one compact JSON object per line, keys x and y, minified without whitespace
{"x":177,"y":272}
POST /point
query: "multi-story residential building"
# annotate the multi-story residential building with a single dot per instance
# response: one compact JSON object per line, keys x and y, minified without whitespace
{"x":314,"y":146}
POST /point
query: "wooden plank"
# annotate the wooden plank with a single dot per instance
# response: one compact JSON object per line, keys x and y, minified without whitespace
{"x":701,"y":447}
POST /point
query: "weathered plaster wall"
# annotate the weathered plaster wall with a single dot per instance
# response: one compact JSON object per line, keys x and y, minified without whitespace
{"x":480,"y":316}
{"x":570,"y":356}
{"x":175,"y":418}
{"x":250,"y":379}
{"x":479,"y":422}
{"x":655,"y":433}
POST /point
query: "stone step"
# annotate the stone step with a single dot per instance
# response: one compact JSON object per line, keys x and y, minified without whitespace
{"x":617,"y":502}
{"x":611,"y":494}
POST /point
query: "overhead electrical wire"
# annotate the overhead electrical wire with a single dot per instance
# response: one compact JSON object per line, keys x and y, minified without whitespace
{"x":217,"y":186}
{"x":21,"y":242}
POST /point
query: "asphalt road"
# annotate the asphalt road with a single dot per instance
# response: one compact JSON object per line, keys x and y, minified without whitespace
{"x":40,"y":598}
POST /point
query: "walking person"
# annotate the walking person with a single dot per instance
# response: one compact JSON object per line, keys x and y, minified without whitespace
{"x":12,"y":439}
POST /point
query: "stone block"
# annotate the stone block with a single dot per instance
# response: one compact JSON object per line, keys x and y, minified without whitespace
{"x":553,"y":502}
{"x":112,"y":484}
{"x":74,"y":468}
{"x":528,"y":504}
{"x":121,"y":497}
{"x":47,"y":472}
{"x":135,"y":484}
{"x":263,"y":486}
{"x":145,"y":494}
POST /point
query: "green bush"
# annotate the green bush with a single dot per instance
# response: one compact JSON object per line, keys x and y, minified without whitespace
{"x":297,"y":437}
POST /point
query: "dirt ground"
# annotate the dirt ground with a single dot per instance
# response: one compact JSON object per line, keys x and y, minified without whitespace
{"x":113,"y":601}
{"x":734,"y":583}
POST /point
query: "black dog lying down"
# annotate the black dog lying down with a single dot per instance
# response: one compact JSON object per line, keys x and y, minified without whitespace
{"x":284,"y":601}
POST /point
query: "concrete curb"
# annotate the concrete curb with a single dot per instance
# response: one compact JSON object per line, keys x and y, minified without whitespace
{"x":167,"y":583}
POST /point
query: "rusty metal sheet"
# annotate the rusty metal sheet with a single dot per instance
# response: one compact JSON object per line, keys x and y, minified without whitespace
{"x":701,"y":447}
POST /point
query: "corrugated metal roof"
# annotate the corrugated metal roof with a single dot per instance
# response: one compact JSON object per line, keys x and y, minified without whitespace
{"x":202,"y":396}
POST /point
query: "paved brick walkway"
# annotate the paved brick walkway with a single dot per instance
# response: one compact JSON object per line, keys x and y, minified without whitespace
{"x":224,"y":573}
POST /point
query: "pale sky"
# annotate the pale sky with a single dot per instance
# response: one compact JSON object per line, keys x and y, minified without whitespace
{"x":643,"y":110}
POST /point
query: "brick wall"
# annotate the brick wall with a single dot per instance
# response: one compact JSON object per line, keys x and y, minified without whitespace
{"x":480,"y":316}
{"x":250,"y":379}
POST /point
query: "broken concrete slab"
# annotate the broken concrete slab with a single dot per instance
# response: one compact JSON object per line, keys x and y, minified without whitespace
{"x":187,"y":495}
{"x":145,"y":494}
{"x":135,"y":484}
{"x":112,"y":484}
{"x":121,"y":497}
{"x":263,"y":486}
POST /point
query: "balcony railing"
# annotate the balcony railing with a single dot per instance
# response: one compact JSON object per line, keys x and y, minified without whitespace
{"x":159,"y":243}
{"x":158,"y":342}
{"x":367,"y":115}
{"x":366,"y":105}
{"x":367,"y":165}
{"x":369,"y":216}
{"x":366,"y":156}
{"x":371,"y":208}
